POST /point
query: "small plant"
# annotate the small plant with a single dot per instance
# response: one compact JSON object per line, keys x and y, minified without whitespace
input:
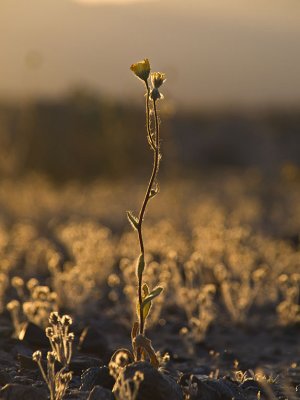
{"x":239,"y":293}
{"x":198,"y":304}
{"x":288,"y":310}
{"x":60,"y":338}
{"x":77,"y":281}
{"x":196,"y":299}
{"x":3,"y":286}
{"x":61,"y":342}
{"x":35,"y":304}
{"x":157,"y":271}
{"x":127,"y":389}
{"x":141,"y":345}
{"x":57,"y":382}
{"x":14,"y":308}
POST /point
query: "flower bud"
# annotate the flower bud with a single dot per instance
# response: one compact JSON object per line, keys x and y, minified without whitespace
{"x":66,"y":320}
{"x":141,"y":69}
{"x":49,"y":332}
{"x":66,"y":378}
{"x":157,"y":79}
{"x":17,"y":282}
{"x":13,"y":305}
{"x":37,"y":356}
{"x":51,"y":357}
{"x":54,"y":318}
{"x":32,"y":283}
{"x":70,"y":337}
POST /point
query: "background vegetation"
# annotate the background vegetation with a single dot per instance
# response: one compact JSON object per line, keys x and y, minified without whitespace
{"x":84,"y":135}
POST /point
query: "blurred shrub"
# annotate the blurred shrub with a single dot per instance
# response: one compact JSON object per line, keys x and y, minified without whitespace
{"x":233,"y":246}
{"x":85,"y":135}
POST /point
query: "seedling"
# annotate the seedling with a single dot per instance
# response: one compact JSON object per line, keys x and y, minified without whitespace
{"x":61,"y":341}
{"x":141,"y":345}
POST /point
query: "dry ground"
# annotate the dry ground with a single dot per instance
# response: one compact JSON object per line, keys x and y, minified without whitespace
{"x":225,"y":248}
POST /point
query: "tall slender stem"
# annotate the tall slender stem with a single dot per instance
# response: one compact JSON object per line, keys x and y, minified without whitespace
{"x":156,"y":159}
{"x":148,"y":122}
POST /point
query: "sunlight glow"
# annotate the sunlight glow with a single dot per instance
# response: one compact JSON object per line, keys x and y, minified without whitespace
{"x":95,"y":2}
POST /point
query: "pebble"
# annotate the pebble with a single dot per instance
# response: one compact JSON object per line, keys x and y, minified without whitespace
{"x":93,"y":341}
{"x":99,"y":393}
{"x":14,"y":391}
{"x":96,"y":376}
{"x":34,"y":335}
{"x":155,"y":385}
{"x":208,"y":388}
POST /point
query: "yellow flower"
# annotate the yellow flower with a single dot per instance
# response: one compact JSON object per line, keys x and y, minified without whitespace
{"x":157,"y":79}
{"x":141,"y":69}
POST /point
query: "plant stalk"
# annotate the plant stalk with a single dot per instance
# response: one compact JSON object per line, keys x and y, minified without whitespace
{"x":156,"y":158}
{"x":148,"y":122}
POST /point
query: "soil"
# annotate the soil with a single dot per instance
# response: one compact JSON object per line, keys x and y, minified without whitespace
{"x":266,"y":349}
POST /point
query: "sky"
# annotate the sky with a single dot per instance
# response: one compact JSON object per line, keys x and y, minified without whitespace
{"x":214,"y":52}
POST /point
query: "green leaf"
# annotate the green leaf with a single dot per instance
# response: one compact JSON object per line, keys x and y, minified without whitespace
{"x":146,"y":310}
{"x":155,"y":292}
{"x":134,"y":222}
{"x":147,"y":307}
{"x":145,"y":290}
{"x":140,"y":266}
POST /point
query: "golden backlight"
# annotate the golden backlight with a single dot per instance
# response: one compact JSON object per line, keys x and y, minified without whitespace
{"x":93,"y":2}
{"x":237,"y":51}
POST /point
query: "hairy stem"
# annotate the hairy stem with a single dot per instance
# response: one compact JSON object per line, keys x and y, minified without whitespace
{"x":156,"y":159}
{"x":148,"y":122}
{"x":43,"y":373}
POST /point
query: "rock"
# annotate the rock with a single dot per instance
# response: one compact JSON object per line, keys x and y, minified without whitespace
{"x":293,"y":374}
{"x":205,"y":388}
{"x":200,"y":370}
{"x":79,"y":363}
{"x":155,"y":384}
{"x":4,"y":378}
{"x":250,"y":385}
{"x":228,"y":355}
{"x":93,"y":341}
{"x":96,"y":376}
{"x":6,"y":331}
{"x":14,"y":391}
{"x":34,"y":335}
{"x":21,"y":348}
{"x":75,"y":394}
{"x":28,"y":363}
{"x":6,"y":359}
{"x":99,"y":393}
{"x":23,"y":380}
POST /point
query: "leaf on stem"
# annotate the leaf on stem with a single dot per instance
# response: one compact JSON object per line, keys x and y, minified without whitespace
{"x":140,"y":266}
{"x":134,"y":330}
{"x":147,"y":307}
{"x":145,"y":343}
{"x":154,"y":191}
{"x":134,"y":222}
{"x":155,"y":292}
